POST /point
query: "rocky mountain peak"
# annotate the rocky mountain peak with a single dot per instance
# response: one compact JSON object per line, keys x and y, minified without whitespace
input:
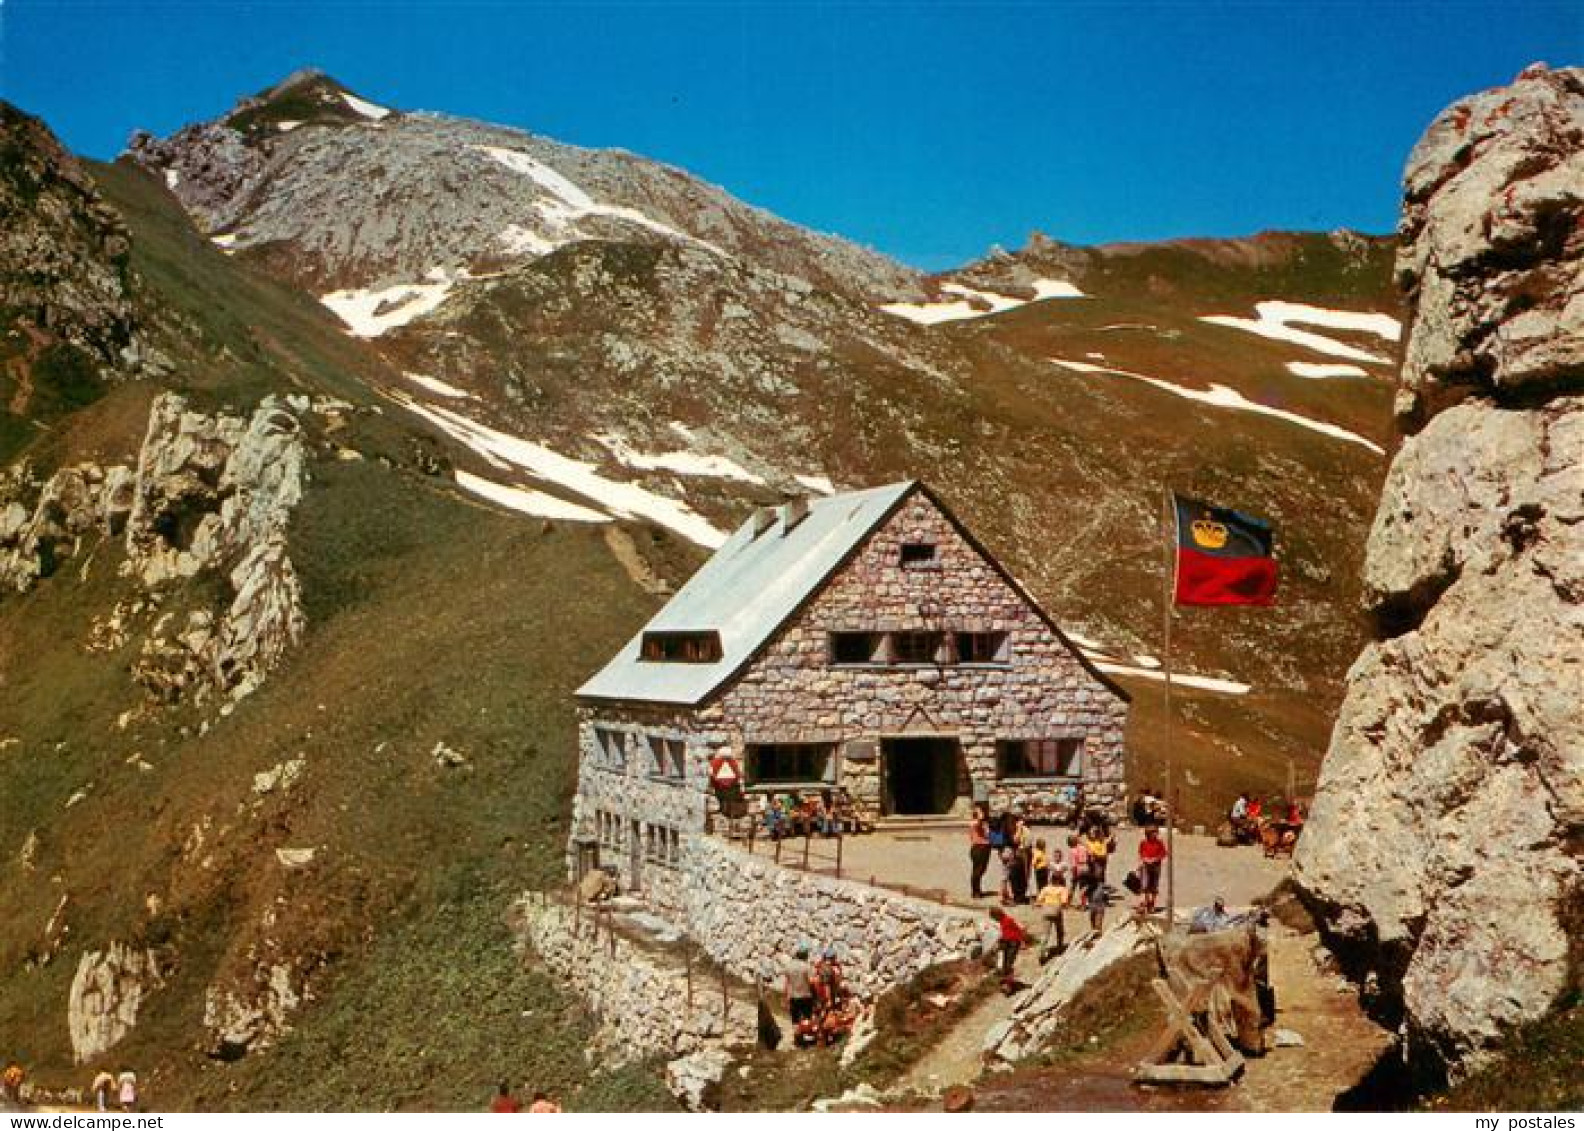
{"x":334,"y":191}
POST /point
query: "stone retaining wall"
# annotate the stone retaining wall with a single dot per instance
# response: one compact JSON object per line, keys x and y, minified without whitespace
{"x":638,"y":993}
{"x":749,"y":914}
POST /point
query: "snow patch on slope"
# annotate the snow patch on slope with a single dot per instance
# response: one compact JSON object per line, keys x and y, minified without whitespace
{"x":625,"y":500}
{"x":972,"y":302}
{"x":527,"y":501}
{"x":681,"y":463}
{"x":368,"y":109}
{"x":1319,"y":370}
{"x":1179,"y":679}
{"x":368,"y":314}
{"x":1274,"y":319}
{"x":569,"y":203}
{"x":435,"y":385}
{"x":1222,"y":396}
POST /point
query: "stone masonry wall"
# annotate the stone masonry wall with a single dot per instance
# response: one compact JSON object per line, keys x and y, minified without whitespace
{"x":792,"y":693}
{"x":640,"y":806}
{"x":638,"y":993}
{"x":749,"y":914}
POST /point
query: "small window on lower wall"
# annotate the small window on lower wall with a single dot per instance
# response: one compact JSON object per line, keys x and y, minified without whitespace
{"x":856,"y":647}
{"x":1039,"y":758}
{"x":916,"y":648}
{"x":790,"y":762}
{"x":982,"y":648}
{"x":667,"y":758}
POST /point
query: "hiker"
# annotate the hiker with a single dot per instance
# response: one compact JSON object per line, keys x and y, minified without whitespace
{"x":1216,"y":917}
{"x":1010,"y":940}
{"x":126,"y":1086}
{"x":542,"y":1104}
{"x":504,"y":1102}
{"x":1100,"y":845}
{"x":1099,"y":899}
{"x":978,"y":850}
{"x":1052,"y":901}
{"x":799,"y":987}
{"x":1041,"y":866}
{"x":1021,"y":853}
{"x":829,"y":821}
{"x":830,"y":987}
{"x":1077,"y":872}
{"x":11,"y":1082}
{"x":1152,"y":852}
{"x":103,"y":1086}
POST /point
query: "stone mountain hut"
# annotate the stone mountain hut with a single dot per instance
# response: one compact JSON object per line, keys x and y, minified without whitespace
{"x":864,"y":641}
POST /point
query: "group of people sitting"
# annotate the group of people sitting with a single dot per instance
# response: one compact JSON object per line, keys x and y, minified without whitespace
{"x":826,"y":813}
{"x":1274,"y":826}
{"x":822,"y":1008}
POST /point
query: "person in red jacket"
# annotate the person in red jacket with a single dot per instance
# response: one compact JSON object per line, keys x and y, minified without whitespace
{"x":1152,"y":853}
{"x":1010,"y":941}
{"x":504,"y":1100}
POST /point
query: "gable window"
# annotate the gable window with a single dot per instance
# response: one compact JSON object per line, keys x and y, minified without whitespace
{"x":668,"y":758}
{"x":789,"y":762}
{"x":982,"y":648}
{"x":856,"y":647}
{"x":915,"y":647}
{"x":681,"y":647}
{"x":612,"y":745}
{"x":1040,"y":758}
{"x":920,"y":555}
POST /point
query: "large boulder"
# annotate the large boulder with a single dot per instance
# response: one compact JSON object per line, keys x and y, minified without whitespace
{"x":1443,"y":854}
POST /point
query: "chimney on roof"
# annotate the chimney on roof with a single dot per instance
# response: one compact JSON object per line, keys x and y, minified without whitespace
{"x":793,"y":511}
{"x":763,"y":519}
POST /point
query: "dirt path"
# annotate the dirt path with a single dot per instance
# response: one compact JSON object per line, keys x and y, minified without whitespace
{"x":1340,"y":1045}
{"x":956,"y":1059}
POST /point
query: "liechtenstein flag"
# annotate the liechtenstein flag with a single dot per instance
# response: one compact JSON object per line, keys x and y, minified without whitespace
{"x":1223,"y":556}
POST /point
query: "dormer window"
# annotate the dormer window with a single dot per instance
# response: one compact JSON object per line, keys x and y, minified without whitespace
{"x":919,"y":555}
{"x":681,"y":647}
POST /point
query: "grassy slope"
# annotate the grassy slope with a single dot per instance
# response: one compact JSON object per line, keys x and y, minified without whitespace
{"x":431,"y":619}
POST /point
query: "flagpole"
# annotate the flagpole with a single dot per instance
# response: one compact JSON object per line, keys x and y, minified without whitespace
{"x":1166,"y":666}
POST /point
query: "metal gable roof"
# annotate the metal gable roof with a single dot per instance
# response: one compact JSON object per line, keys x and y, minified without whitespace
{"x":745,"y":592}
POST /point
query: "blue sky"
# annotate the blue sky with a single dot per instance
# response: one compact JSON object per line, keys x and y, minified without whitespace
{"x":930,"y":131}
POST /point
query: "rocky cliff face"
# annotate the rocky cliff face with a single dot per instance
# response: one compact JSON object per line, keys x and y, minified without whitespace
{"x":1444,"y":850}
{"x":65,"y":278}
{"x":335,"y":191}
{"x":208,"y":493}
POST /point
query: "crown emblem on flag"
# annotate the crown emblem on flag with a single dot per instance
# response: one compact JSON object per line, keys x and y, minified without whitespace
{"x":1208,"y":533}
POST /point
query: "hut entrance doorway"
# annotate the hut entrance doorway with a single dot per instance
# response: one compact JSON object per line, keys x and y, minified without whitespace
{"x":919,"y":775}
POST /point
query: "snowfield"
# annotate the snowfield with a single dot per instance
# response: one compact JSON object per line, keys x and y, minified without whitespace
{"x":624,"y":500}
{"x":933,"y":313}
{"x":1222,"y":396}
{"x":1274,"y":319}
